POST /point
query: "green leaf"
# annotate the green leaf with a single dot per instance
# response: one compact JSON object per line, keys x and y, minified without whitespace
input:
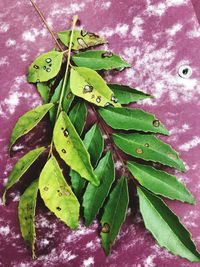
{"x":71,"y":148}
{"x":150,"y":148}
{"x":78,"y":116}
{"x":44,"y":91}
{"x":160,"y":182}
{"x":81,"y":39}
{"x":22,"y":165}
{"x":57,"y":194}
{"x":99,"y":60}
{"x":94,"y":143}
{"x":114,"y":214}
{"x":26,"y":214}
{"x":45,"y":67}
{"x":132,"y":119}
{"x":94,"y":197}
{"x":165,"y":226}
{"x":88,"y":84}
{"x":66,"y":103}
{"x":126,"y":94}
{"x":28,"y":121}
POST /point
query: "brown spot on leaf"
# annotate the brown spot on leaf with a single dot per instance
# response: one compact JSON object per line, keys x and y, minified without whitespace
{"x":139,"y":150}
{"x":105,"y":228}
{"x":156,"y":123}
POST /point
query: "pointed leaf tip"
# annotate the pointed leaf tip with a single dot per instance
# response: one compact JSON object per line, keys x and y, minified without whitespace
{"x":72,"y":150}
{"x":165,"y":226}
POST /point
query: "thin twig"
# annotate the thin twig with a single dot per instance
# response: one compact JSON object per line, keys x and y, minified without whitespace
{"x":46,"y":24}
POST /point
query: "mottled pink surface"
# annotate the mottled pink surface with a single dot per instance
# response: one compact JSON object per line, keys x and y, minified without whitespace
{"x":156,"y":36}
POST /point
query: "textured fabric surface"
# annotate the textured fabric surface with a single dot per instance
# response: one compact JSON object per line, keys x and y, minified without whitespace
{"x":156,"y":37}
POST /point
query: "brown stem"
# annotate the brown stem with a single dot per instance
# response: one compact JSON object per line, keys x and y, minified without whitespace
{"x":46,"y":24}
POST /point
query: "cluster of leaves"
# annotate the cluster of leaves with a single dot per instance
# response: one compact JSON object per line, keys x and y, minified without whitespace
{"x":93,"y":184}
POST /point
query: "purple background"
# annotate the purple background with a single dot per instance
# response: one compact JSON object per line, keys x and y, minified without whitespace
{"x":156,"y":37}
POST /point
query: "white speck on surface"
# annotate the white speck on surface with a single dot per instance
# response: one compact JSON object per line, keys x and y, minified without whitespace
{"x":194,"y":142}
{"x":32,"y":34}
{"x":105,"y":5}
{"x":118,"y":165}
{"x":137,"y":30}
{"x":24,"y":57}
{"x":174,"y":29}
{"x":148,"y":262}
{"x":88,"y":262}
{"x":10,"y":42}
{"x":70,"y":9}
{"x":4,"y":61}
{"x":121,"y":29}
{"x":4,"y":27}
{"x":4,"y":230}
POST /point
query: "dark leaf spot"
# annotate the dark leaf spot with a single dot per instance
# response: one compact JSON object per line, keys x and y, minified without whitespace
{"x":105,"y":228}
{"x":107,"y":54}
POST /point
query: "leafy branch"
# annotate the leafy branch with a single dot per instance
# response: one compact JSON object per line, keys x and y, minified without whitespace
{"x":94,"y":185}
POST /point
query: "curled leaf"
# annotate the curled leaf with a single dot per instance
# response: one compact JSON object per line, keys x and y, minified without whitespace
{"x":81,"y":39}
{"x":99,"y":60}
{"x":26,"y":214}
{"x":71,"y":148}
{"x":88,"y":84}
{"x":45,"y":67}
{"x":22,"y":165}
{"x":57,"y":194}
{"x":28,"y":121}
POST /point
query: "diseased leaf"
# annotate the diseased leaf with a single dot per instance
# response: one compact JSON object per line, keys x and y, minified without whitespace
{"x":28,"y":121}
{"x":114,"y":214}
{"x":94,"y":143}
{"x":160,"y":182}
{"x":88,"y":84}
{"x":99,"y":60}
{"x":22,"y":165}
{"x":66,"y":103}
{"x":126,"y":94}
{"x":81,"y":39}
{"x":26,"y":214}
{"x":71,"y":148}
{"x":44,"y":91}
{"x":149,"y":148}
{"x":165,"y":226}
{"x":57,"y":194}
{"x":45,"y":67}
{"x":132,"y":119}
{"x":78,"y":116}
{"x":94,"y":197}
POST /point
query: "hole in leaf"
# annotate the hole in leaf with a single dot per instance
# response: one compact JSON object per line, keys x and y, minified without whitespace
{"x":107,"y":54}
{"x":63,"y":151}
{"x":58,"y":208}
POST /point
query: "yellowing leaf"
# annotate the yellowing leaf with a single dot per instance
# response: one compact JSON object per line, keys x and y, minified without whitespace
{"x":71,"y":148}
{"x":22,"y":165}
{"x":45,"y":67}
{"x":26,"y":214}
{"x":88,"y":84}
{"x":81,"y":39}
{"x":57,"y":194}
{"x":28,"y":121}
